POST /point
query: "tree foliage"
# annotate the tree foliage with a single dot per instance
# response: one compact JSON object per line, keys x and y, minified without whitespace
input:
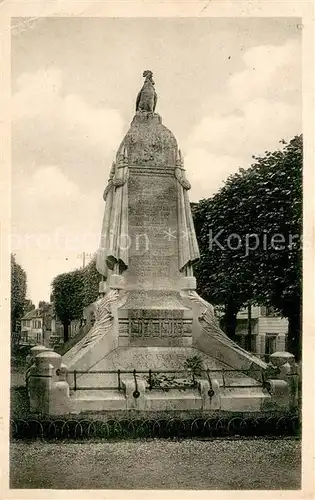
{"x":67,"y":294}
{"x":73,"y":291}
{"x":18,"y":292}
{"x":91,"y":279}
{"x":46,"y":310}
{"x":43,"y":305}
{"x":28,"y":306}
{"x":249,"y":237}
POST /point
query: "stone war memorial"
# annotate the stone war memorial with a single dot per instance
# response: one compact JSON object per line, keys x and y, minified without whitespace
{"x":156,"y":345}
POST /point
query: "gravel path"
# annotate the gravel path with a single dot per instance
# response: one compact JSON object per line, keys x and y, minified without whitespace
{"x":157,"y":464}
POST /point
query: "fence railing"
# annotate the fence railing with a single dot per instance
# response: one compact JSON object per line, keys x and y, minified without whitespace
{"x":125,"y":428}
{"x":75,"y":386}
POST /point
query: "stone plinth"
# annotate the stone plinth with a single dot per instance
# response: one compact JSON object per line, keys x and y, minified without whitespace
{"x":48,"y":388}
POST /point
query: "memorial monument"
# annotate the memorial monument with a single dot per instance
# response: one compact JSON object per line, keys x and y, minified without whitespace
{"x":148,"y":317}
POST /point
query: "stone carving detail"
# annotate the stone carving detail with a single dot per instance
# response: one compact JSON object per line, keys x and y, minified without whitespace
{"x":209,"y":322}
{"x":115,"y":178}
{"x":113,"y":251}
{"x":160,"y":323}
{"x":147,"y":97}
{"x":103,"y":324}
{"x":180,"y":172}
{"x":122,"y":171}
{"x":188,"y":245}
{"x":103,"y":318}
{"x":110,"y":181}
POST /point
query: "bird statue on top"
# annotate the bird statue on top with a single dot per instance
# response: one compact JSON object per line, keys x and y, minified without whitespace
{"x":147,"y":97}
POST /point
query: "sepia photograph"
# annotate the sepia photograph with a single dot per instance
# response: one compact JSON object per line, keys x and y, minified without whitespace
{"x":156,"y":253}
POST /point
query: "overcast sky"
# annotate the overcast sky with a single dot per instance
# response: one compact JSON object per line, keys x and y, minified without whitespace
{"x":227,"y":88}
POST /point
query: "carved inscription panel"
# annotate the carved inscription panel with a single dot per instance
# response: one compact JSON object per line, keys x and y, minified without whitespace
{"x":157,"y":323}
{"x":152,"y":220}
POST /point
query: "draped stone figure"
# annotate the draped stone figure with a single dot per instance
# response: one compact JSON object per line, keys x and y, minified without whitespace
{"x":188,"y":246}
{"x":113,"y":250}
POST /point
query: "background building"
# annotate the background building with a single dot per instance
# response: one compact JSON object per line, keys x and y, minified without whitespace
{"x":268,"y":330}
{"x":32,"y":328}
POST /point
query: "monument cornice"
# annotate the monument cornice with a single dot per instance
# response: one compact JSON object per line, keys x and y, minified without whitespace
{"x":152,"y":170}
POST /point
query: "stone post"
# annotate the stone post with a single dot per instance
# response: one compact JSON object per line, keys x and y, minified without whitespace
{"x":37,"y":349}
{"x":134,"y":392}
{"x":209,"y":391}
{"x":204,"y":388}
{"x":60,"y":393}
{"x":282,"y":379}
{"x":47,"y":388}
{"x":30,"y":361}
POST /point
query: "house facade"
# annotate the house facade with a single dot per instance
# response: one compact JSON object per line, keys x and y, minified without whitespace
{"x":32,"y":329}
{"x":57,"y":335}
{"x":36,"y":326}
{"x":268,"y":330}
{"x":44,"y":327}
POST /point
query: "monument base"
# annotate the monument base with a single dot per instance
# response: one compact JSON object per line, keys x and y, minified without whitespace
{"x":138,"y":359}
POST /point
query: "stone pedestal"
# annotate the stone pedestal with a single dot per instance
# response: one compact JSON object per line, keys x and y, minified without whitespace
{"x":48,"y":388}
{"x":30,"y":358}
{"x":282,"y":380}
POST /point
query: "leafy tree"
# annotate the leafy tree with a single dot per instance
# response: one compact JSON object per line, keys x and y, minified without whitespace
{"x":72,"y":292}
{"x":18,"y":293}
{"x":28,"y":306}
{"x":221,"y":275}
{"x":46,"y":310}
{"x":249,"y":237}
{"x":68,"y":296}
{"x":279,"y":276}
{"x":43,"y":305}
{"x":91,"y":279}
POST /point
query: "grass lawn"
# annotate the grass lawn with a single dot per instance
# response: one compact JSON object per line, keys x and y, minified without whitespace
{"x":156,"y":464}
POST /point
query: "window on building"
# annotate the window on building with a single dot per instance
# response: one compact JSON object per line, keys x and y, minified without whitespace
{"x":24,"y":336}
{"x":271,"y":344}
